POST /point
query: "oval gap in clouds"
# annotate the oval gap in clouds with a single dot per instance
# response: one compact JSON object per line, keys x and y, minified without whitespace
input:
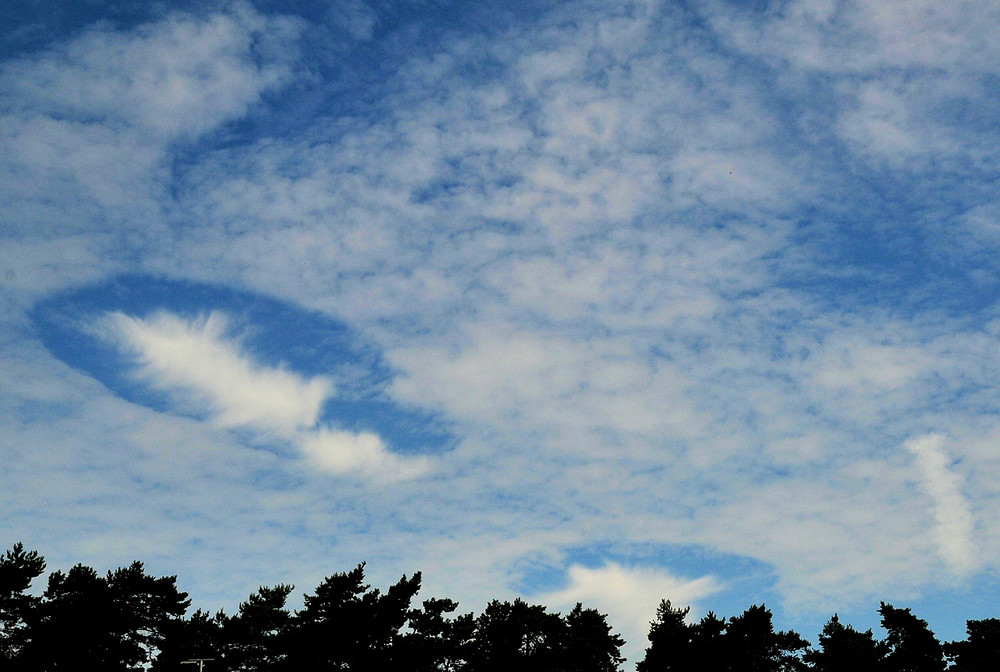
{"x":273,"y":333}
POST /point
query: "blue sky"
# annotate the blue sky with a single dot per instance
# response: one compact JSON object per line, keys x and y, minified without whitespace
{"x":572,"y":301}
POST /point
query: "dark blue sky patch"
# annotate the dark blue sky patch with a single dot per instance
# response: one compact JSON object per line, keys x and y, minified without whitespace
{"x":36,"y":24}
{"x":272,"y":333}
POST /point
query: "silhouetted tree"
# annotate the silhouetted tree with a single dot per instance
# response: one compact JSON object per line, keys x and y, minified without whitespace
{"x":516,"y":636}
{"x":844,"y":649}
{"x":708,"y":643}
{"x":590,"y":644}
{"x":143,"y":606}
{"x":18,"y":568}
{"x":392,"y":611}
{"x":433,"y":642}
{"x":671,"y":642}
{"x":912,"y":647}
{"x":73,"y":625}
{"x":127,"y":621}
{"x":254,"y":637}
{"x":752,"y":645}
{"x":117,"y":622}
{"x":347,"y":625}
{"x":200,"y":636}
{"x":980,"y":651}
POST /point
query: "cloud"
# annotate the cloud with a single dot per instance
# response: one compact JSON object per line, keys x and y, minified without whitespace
{"x":861,"y":367}
{"x":194,"y":358}
{"x":89,"y":127}
{"x":356,"y":17}
{"x":202,"y":365}
{"x":817,"y":35}
{"x":630,"y":596}
{"x":905,"y":74}
{"x":177,"y":77}
{"x":952,"y":512}
{"x":364,"y":453}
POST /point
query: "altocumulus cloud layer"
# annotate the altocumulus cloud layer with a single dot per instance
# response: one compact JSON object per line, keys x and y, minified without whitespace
{"x":703,"y":296}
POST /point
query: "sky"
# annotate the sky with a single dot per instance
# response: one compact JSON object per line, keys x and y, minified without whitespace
{"x":572,"y":301}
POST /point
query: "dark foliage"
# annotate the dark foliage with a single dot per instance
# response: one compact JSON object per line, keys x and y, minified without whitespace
{"x":590,"y":645}
{"x":912,"y":647}
{"x":127,"y":620}
{"x":841,"y":647}
{"x":515,"y":636}
{"x":18,"y":568}
{"x":433,"y":641}
{"x":347,"y":625}
{"x":200,"y":636}
{"x":115,"y":622}
{"x":672,"y":642}
{"x":745,"y":643}
{"x":980,"y":652}
{"x":255,"y":638}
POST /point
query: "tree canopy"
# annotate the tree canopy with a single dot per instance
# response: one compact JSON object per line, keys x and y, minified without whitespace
{"x":127,"y":620}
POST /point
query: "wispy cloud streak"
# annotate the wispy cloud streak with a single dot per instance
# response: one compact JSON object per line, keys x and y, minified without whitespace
{"x":952,"y":512}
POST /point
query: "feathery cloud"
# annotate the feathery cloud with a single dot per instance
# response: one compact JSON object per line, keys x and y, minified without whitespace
{"x":953,"y":515}
{"x":202,"y":365}
{"x":194,"y":358}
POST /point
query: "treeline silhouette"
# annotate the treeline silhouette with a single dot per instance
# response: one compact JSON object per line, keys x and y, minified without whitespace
{"x":127,"y":620}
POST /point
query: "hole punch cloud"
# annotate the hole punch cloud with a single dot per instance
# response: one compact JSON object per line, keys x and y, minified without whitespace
{"x":200,"y":364}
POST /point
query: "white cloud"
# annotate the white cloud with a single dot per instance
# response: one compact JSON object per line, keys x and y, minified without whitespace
{"x":952,"y":513}
{"x":630,"y":596}
{"x":196,"y":359}
{"x":882,"y":123}
{"x":202,"y":364}
{"x":904,"y":72}
{"x":570,"y":389}
{"x":859,"y":366}
{"x":863,"y":35}
{"x":356,"y":17}
{"x":364,"y":453}
{"x":88,"y":126}
{"x":981,"y":229}
{"x":178,"y":77}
